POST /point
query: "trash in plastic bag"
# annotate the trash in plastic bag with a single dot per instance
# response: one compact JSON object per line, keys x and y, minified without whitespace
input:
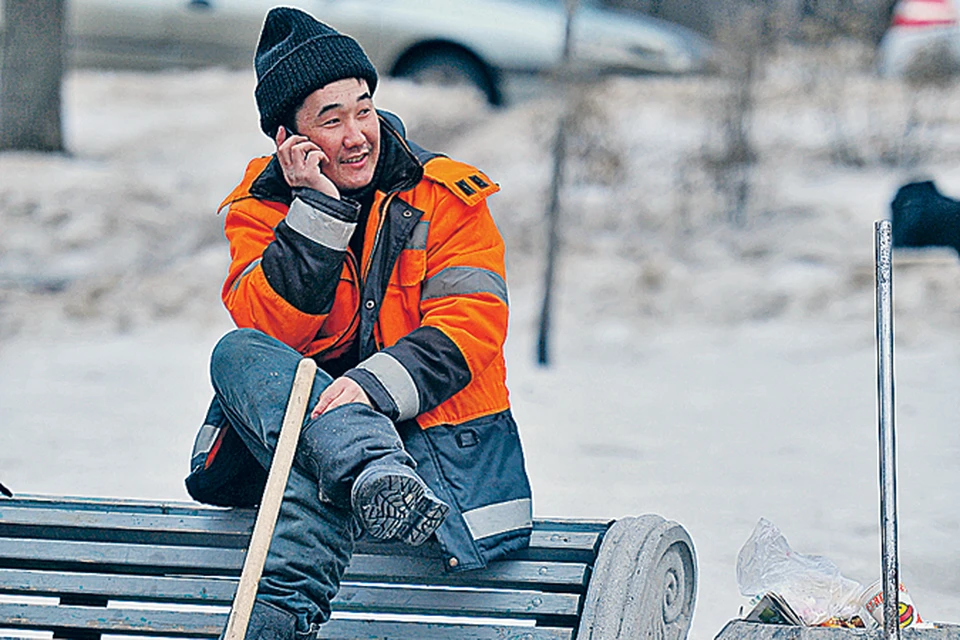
{"x":811,"y":585}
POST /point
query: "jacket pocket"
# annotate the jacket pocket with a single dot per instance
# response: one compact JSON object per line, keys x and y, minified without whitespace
{"x":411,"y":268}
{"x":482,"y":463}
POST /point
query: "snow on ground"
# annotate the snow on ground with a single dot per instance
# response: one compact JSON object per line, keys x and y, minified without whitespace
{"x":708,"y":370}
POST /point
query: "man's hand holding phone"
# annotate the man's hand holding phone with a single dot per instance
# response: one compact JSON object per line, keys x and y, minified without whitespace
{"x":301,"y":161}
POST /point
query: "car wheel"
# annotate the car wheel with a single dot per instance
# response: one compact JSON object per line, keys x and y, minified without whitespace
{"x":449,"y":66}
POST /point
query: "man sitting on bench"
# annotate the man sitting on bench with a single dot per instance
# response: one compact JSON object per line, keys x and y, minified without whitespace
{"x":381,"y":261}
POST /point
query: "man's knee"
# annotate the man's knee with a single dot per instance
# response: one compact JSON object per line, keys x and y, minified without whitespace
{"x":233,"y":345}
{"x":234,"y":351}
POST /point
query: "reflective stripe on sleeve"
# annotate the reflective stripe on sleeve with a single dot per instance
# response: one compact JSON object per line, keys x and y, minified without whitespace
{"x":498,"y":518}
{"x":319,"y":226}
{"x":458,"y":281}
{"x":245,"y":273}
{"x":397,"y":381}
{"x":204,"y":442}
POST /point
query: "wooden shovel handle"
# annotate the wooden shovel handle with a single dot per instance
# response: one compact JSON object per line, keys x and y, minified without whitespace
{"x":270,"y":504}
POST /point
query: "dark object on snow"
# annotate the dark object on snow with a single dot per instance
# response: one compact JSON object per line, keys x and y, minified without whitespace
{"x":924,"y":217}
{"x":5,"y":491}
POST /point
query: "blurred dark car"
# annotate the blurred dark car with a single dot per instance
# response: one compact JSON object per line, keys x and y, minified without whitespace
{"x":465,"y":41}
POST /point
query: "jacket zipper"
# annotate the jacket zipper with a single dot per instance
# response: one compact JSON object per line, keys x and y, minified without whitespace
{"x":373,"y":249}
{"x":376,"y":238}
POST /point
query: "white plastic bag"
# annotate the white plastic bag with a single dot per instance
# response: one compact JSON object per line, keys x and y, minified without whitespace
{"x":811,"y":585}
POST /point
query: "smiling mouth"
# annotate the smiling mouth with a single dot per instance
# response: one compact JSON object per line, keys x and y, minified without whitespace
{"x":359,"y":159}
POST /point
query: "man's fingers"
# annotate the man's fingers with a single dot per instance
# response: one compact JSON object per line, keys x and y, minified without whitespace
{"x":287,"y":142}
{"x":303,"y":147}
{"x":341,"y":391}
{"x":302,"y":162}
{"x":299,"y":160}
{"x":328,"y":398}
{"x":284,"y":147}
{"x":322,"y":404}
{"x":297,"y":155}
{"x":315,"y":158}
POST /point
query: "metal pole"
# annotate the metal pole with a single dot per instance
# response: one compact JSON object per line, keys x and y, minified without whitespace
{"x":885,"y":404}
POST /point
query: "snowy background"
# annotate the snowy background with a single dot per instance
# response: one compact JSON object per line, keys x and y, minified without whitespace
{"x":711,"y":363}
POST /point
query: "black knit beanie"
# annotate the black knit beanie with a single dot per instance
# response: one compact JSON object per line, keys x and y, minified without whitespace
{"x":296,"y":56}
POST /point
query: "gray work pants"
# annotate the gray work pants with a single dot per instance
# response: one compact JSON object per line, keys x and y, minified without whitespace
{"x":252,"y":375}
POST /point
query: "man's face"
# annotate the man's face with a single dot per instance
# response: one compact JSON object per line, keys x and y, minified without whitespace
{"x":340,"y":119}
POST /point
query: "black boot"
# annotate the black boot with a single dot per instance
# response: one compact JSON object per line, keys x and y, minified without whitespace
{"x":359,"y":461}
{"x":268,"y":622}
{"x":336,"y":446}
{"x":393,"y":502}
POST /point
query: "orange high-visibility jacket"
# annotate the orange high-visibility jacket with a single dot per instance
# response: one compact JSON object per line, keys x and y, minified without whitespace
{"x":426,"y":304}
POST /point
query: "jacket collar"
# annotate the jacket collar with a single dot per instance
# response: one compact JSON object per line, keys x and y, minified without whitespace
{"x":399,"y":169}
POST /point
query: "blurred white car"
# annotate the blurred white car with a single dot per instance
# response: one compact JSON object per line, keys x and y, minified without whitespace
{"x":475,"y":41}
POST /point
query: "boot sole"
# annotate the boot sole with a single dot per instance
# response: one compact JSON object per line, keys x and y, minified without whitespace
{"x":398,"y":506}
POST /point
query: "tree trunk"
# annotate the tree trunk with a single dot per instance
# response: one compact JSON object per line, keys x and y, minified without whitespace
{"x":562,"y":77}
{"x":30,"y":75}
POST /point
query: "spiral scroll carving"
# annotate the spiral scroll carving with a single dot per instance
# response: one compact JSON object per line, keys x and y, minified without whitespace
{"x":644,"y":583}
{"x":674,"y":585}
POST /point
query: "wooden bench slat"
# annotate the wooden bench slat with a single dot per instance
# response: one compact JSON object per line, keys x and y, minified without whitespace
{"x":160,"y":559}
{"x":117,"y":505}
{"x":352,"y":597}
{"x":573,"y":576}
{"x":501,"y":603}
{"x":123,"y":558}
{"x":196,"y":530}
{"x":129,"y":521}
{"x":109,"y":522}
{"x":118,"y":587}
{"x":197,"y":624}
{"x":190,"y":624}
{"x":545,"y":544}
{"x":219,"y":589}
{"x":237,"y":521}
{"x":548,"y":537}
{"x":341,"y":629}
{"x":228,"y":559}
